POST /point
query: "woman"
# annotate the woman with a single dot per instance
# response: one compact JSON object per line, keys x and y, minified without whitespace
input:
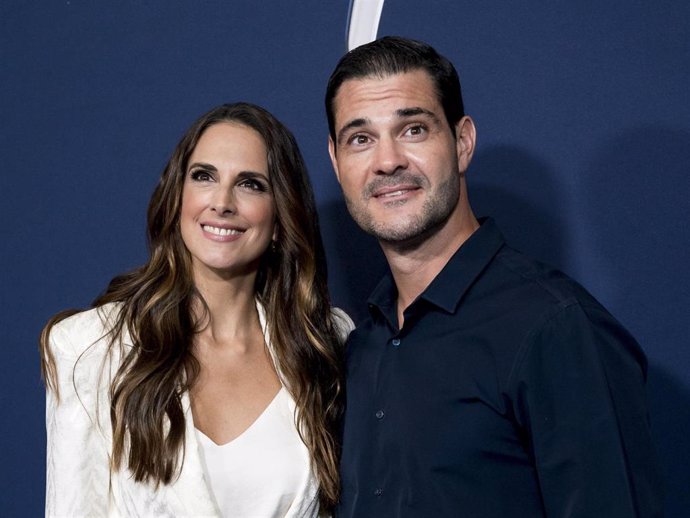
{"x":207,"y":382}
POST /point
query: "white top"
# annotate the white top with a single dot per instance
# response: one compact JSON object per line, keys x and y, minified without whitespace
{"x":261,"y":472}
{"x":79,"y":482}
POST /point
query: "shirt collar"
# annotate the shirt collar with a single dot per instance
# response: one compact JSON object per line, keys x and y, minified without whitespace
{"x":449,"y":286}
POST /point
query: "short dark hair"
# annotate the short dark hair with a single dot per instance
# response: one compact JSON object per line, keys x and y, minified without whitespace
{"x":395,"y":55}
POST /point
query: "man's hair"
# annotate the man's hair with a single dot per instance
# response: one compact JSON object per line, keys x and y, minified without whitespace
{"x":392,"y":55}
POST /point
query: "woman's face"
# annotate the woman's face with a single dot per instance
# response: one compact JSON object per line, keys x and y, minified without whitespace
{"x":227,"y":219}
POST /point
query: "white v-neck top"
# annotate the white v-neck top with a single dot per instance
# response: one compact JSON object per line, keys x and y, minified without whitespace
{"x":265,"y":470}
{"x":79,"y":481}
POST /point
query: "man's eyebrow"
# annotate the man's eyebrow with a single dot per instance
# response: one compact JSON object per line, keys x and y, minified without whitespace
{"x":402,"y":113}
{"x":354,"y":123}
{"x":417,"y":110}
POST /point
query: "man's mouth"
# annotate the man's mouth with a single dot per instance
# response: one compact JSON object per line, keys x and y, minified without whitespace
{"x":391,"y":194}
{"x":394,"y":191}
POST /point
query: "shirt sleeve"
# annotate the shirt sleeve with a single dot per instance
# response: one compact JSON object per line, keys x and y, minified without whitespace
{"x":581,"y":399}
{"x":77,"y":462}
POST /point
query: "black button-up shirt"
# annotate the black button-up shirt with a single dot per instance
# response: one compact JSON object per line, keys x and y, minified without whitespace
{"x":509,"y":392}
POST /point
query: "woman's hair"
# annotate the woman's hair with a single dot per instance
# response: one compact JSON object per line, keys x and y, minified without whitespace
{"x":157,"y":302}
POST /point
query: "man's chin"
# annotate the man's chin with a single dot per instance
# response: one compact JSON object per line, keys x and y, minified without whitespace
{"x":399,"y":235}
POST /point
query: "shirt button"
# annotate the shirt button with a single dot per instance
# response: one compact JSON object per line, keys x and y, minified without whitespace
{"x":378,"y":491}
{"x":395,"y":342}
{"x":379,"y":414}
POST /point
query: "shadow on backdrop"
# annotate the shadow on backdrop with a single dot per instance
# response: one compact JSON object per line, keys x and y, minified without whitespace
{"x":355,"y":260}
{"x":635,"y":194}
{"x":636,"y":189}
{"x":521,"y":193}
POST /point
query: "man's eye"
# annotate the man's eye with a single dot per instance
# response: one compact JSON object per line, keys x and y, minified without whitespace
{"x":359,"y":140}
{"x":200,"y":176}
{"x":417,"y":130}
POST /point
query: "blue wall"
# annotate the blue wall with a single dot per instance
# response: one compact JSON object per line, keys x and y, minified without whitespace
{"x":583,"y":116}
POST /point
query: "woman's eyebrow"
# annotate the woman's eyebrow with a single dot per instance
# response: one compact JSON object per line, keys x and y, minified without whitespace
{"x":252,"y":174}
{"x":201,"y":164}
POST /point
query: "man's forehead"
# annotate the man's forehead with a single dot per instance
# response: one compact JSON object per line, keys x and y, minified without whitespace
{"x":367,"y":91}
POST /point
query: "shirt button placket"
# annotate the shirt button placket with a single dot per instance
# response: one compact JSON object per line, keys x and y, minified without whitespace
{"x":380,"y":414}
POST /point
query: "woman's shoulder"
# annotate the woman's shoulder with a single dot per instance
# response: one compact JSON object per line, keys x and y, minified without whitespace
{"x":342,"y":322}
{"x":73,"y":335}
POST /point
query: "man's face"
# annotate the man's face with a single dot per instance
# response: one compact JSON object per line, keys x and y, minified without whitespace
{"x":395,"y":156}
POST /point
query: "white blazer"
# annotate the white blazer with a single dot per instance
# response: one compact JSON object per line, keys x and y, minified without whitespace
{"x":79,"y":435}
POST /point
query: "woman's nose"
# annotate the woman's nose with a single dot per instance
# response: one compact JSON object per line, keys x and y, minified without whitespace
{"x":223,"y":201}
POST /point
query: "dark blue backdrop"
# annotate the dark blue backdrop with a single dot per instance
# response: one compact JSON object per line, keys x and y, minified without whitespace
{"x":582,"y":110}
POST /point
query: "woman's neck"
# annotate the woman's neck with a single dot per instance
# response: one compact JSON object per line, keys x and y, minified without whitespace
{"x":230,"y":314}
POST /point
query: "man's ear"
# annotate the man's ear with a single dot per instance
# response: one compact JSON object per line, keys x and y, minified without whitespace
{"x":465,"y":141}
{"x":334,"y":160}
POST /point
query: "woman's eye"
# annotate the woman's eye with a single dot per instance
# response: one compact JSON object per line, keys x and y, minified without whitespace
{"x":200,"y":176}
{"x":253,"y":185}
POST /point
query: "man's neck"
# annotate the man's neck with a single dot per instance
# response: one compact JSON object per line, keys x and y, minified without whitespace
{"x":415,"y":267}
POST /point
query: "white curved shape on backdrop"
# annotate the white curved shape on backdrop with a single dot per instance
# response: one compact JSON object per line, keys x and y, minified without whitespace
{"x":363,"y":22}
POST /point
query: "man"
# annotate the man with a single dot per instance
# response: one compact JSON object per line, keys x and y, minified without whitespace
{"x":483,"y":384}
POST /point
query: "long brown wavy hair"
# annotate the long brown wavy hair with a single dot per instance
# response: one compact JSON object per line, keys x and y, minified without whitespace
{"x":156,"y":302}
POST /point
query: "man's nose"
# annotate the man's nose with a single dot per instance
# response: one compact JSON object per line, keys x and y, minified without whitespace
{"x":389,"y":156}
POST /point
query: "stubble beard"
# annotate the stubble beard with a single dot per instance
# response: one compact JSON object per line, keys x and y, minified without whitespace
{"x":434,"y":213}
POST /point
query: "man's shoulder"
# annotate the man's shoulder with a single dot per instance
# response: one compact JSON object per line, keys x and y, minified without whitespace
{"x":363,"y":328}
{"x":536,"y":294}
{"x":541,"y":282}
